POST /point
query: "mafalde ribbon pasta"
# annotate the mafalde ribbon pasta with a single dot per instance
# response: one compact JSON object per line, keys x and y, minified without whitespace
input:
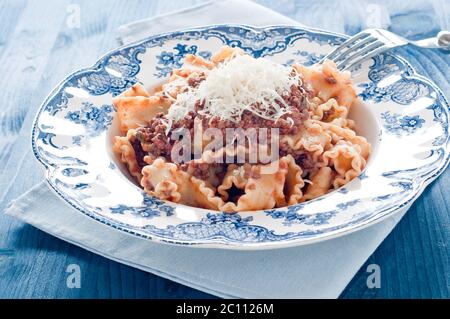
{"x":236,"y":133}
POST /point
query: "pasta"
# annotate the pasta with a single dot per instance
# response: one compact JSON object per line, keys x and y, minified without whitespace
{"x":170,"y":138}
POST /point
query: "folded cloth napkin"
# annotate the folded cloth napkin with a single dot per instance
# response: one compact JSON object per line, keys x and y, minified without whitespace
{"x":210,"y":12}
{"x":320,"y":270}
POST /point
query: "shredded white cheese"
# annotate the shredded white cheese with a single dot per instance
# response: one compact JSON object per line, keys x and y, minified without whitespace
{"x":240,"y":84}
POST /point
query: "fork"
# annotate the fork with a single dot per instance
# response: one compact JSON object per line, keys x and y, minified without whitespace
{"x":371,"y":42}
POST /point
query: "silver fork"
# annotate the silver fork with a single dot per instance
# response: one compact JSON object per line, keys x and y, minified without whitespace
{"x":371,"y":42}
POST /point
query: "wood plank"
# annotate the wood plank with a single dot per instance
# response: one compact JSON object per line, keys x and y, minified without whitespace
{"x":26,"y":42}
{"x":414,"y":259}
{"x":10,"y":13}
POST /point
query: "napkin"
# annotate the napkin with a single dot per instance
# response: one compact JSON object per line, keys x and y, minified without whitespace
{"x":320,"y":270}
{"x":207,"y":13}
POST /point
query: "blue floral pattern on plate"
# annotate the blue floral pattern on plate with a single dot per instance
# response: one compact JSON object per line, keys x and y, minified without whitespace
{"x":72,"y":136}
{"x":152,"y":207}
{"x":174,"y":59}
{"x":94,"y":119}
{"x":403,"y":91}
{"x":397,"y":124}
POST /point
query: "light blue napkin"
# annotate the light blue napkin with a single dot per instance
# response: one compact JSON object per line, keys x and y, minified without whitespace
{"x":320,"y":270}
{"x":206,"y":13}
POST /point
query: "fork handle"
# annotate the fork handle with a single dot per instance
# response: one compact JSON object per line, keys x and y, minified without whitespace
{"x":443,"y":39}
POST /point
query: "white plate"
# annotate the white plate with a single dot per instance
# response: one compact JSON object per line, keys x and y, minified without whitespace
{"x":403,"y":115}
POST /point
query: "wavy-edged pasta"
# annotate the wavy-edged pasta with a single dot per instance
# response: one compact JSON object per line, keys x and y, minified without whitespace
{"x":327,"y":82}
{"x":259,"y":190}
{"x":306,"y":108}
{"x":123,"y":147}
{"x":346,"y":160}
{"x":135,"y":107}
{"x":167,"y":181}
{"x":320,"y":184}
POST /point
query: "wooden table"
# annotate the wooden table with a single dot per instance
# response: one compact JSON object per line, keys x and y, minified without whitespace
{"x":39,"y":46}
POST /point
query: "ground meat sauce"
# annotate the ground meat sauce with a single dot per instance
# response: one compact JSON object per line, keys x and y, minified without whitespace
{"x":140,"y":153}
{"x":155,"y":142}
{"x":154,"y":137}
{"x":195,"y":81}
{"x":203,"y":170}
{"x":327,"y":115}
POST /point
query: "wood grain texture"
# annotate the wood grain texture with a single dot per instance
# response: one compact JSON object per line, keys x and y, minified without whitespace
{"x":38,"y":48}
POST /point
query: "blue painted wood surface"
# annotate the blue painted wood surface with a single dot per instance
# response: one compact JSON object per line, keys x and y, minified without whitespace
{"x":38,"y":48}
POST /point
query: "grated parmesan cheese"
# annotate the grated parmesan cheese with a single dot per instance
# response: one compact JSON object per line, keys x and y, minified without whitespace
{"x":240,"y":84}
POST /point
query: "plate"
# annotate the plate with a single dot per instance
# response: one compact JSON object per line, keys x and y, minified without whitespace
{"x":403,"y":115}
